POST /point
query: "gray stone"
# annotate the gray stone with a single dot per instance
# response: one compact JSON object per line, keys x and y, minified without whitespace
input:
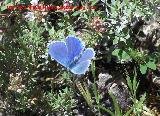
{"x":117,"y":87}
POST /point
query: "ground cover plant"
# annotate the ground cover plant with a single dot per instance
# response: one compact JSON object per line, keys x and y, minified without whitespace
{"x":80,"y":57}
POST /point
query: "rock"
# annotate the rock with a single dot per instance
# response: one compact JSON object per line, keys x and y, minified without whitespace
{"x":117,"y":87}
{"x":121,"y":92}
{"x":103,"y":78}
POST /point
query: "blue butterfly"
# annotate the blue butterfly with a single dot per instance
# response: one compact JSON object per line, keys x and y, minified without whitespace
{"x":72,"y":54}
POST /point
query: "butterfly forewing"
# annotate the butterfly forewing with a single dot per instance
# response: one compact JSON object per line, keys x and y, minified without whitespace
{"x":74,"y":46}
{"x":59,"y":52}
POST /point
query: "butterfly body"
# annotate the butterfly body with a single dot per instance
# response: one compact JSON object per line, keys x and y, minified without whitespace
{"x":72,"y":54}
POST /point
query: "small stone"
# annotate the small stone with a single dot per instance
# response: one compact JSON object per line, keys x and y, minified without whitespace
{"x":156,"y":80}
{"x":19,"y":90}
{"x":23,"y":86}
{"x":103,"y":79}
{"x":121,"y":93}
{"x":117,"y":87}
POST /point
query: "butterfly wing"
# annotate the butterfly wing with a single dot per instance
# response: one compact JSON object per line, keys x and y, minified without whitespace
{"x":58,"y":51}
{"x":74,"y":46}
{"x":81,"y":67}
{"x":88,"y":54}
{"x":83,"y":63}
{"x":65,"y":54}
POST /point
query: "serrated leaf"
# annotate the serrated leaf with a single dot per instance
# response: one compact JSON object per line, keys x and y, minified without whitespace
{"x":151,"y":65}
{"x":143,"y":68}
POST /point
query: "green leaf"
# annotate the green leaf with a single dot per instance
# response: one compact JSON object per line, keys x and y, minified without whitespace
{"x":5,"y":6}
{"x":143,"y":68}
{"x":94,"y":2}
{"x":128,"y":113}
{"x":126,"y":1}
{"x":151,"y":65}
{"x":116,"y":40}
{"x":125,"y":56}
{"x":116,"y":52}
{"x":86,"y":94}
{"x":8,"y":1}
{"x":106,"y":110}
{"x":129,"y":83}
{"x":121,"y":54}
{"x":85,"y":16}
{"x":61,"y":24}
{"x":76,"y":13}
{"x":93,"y":69}
{"x":139,"y":105}
{"x":116,"y":105}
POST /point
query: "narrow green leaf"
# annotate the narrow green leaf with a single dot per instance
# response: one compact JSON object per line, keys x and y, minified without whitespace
{"x":93,"y":69}
{"x":94,"y":2}
{"x":116,"y":105}
{"x":134,"y":83}
{"x":87,"y":96}
{"x":129,"y":83}
{"x":107,"y":110}
{"x":129,"y":112}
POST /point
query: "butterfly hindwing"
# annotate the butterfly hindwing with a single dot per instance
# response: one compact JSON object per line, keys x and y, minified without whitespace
{"x":81,"y":68}
{"x":88,"y":54}
{"x":74,"y":46}
{"x":82,"y":65}
{"x":58,"y":51}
